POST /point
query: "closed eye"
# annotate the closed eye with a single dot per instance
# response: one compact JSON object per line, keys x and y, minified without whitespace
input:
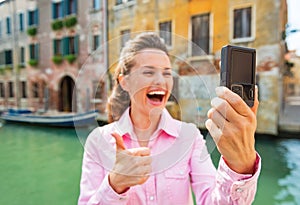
{"x":167,"y":74}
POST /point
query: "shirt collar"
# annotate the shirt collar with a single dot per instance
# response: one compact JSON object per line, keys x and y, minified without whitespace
{"x":167,"y":124}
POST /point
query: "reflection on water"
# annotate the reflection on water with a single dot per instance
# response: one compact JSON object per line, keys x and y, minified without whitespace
{"x":43,"y":165}
{"x":290,"y":184}
{"x":279,"y":183}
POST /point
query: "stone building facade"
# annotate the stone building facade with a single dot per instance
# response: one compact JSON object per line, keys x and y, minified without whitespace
{"x":195,"y":31}
{"x":56,"y":54}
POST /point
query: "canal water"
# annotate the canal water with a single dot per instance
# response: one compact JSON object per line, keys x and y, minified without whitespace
{"x":43,"y":165}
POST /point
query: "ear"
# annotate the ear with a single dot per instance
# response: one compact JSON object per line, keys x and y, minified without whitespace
{"x":123,"y":82}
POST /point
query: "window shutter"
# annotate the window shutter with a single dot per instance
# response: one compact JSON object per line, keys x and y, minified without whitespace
{"x":53,"y":11}
{"x":66,"y":46}
{"x":21,"y":22}
{"x":8,"y":25}
{"x":76,"y":44}
{"x":36,"y":16}
{"x":0,"y":29}
{"x":28,"y":18}
{"x":64,"y":7}
{"x":75,"y":6}
{"x":37,"y":51}
{"x":54,"y":46}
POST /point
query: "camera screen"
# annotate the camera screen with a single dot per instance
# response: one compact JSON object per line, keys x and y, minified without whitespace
{"x":241,"y":67}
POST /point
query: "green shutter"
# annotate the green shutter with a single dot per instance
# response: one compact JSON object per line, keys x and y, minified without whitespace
{"x":53,"y":11}
{"x":75,"y":6}
{"x":66,"y":47}
{"x":54,"y":46}
{"x":64,"y":7}
{"x":36,"y":16}
{"x":76,"y":44}
{"x":37,"y":51}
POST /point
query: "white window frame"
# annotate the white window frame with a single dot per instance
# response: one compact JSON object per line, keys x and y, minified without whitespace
{"x":253,"y":23}
{"x":211,"y":34}
{"x":169,"y":47}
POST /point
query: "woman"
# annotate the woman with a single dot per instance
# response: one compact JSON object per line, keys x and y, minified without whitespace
{"x":146,"y":157}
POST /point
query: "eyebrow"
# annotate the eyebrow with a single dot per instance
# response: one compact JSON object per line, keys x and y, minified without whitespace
{"x":152,"y":67}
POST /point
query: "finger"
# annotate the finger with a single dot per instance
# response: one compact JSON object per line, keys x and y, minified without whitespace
{"x":213,"y":129}
{"x":224,"y":108}
{"x":216,"y":117}
{"x":256,"y":102}
{"x":236,"y":102}
{"x":119,"y":141}
{"x":140,"y":151}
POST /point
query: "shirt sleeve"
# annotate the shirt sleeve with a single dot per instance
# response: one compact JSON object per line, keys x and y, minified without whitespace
{"x":221,"y":186}
{"x":94,"y":185}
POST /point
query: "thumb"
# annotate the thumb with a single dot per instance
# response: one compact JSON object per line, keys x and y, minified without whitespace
{"x":119,"y":141}
{"x":256,"y":103}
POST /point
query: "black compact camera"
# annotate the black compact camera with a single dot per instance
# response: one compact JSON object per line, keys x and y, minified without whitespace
{"x":238,"y":71}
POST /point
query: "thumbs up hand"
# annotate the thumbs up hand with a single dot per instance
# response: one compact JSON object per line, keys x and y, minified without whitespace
{"x":132,"y":166}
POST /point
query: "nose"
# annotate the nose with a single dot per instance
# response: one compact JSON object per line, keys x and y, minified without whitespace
{"x":159,"y":79}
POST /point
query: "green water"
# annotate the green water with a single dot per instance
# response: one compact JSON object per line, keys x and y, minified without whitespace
{"x":42,"y":166}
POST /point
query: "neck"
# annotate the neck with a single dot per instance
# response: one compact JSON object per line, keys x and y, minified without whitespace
{"x":144,"y":124}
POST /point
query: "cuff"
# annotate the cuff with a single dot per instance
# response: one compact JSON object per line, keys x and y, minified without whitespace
{"x":223,"y":167}
{"x":238,"y":185}
{"x":107,"y":193}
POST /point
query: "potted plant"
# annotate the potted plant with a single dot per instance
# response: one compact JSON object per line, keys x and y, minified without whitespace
{"x":57,"y":25}
{"x":70,"y":21}
{"x":33,"y":62}
{"x":57,"y":59}
{"x":32,"y":31}
{"x":70,"y":58}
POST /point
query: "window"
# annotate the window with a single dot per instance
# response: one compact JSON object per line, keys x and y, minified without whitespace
{"x":125,"y":36}
{"x":57,"y":47}
{"x":23,"y":89}
{"x":71,"y":45}
{"x":99,"y":89}
{"x":200,"y":34}
{"x":71,"y":7}
{"x":2,"y":58}
{"x":33,"y":17}
{"x":57,"y":10}
{"x":96,"y":42}
{"x":96,"y":4}
{"x":22,"y":55}
{"x":165,"y":32}
{"x":35,"y":90}
{"x":242,"y":23}
{"x":34,"y":51}
{"x":10,"y":89}
{"x":21,"y":22}
{"x":2,"y":90}
{"x":8,"y":25}
{"x":118,"y":2}
{"x":8,"y":57}
{"x":0,"y":29}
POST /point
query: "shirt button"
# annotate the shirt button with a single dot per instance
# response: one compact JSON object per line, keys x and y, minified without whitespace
{"x":181,"y":172}
{"x":151,"y":198}
{"x":239,"y":190}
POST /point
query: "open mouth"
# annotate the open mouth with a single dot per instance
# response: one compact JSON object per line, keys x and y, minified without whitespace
{"x":156,"y":96}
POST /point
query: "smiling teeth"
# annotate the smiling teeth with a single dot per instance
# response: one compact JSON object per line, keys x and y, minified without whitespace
{"x":157,"y":93}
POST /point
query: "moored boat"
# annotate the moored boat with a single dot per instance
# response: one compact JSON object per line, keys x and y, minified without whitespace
{"x":47,"y":119}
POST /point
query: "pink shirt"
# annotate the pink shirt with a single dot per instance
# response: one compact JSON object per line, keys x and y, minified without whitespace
{"x":180,"y":164}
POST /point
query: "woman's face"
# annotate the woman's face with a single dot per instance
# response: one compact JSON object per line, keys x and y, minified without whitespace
{"x":150,"y":81}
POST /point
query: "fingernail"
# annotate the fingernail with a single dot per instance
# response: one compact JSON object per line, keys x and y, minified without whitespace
{"x":208,"y":124}
{"x":214,"y":102}
{"x":220,"y":91}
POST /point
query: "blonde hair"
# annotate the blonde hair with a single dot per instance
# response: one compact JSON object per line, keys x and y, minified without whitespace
{"x":119,"y":100}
